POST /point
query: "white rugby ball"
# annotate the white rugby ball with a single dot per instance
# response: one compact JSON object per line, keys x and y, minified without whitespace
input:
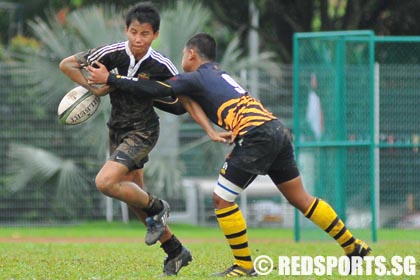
{"x":77,"y":106}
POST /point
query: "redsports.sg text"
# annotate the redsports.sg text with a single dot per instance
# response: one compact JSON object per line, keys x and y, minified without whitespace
{"x":329,"y":265}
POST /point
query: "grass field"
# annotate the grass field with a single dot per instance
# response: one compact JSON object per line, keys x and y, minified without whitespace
{"x":117,"y":251}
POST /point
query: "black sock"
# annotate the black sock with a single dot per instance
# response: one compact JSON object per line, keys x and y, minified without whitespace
{"x":172,"y":247}
{"x":154,"y":206}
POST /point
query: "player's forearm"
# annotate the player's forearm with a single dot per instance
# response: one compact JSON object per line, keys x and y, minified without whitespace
{"x":198,"y":115}
{"x":201,"y":118}
{"x":142,"y":88}
{"x":72,"y":69}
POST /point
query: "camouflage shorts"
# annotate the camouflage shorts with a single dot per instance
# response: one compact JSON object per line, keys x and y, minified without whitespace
{"x":131,"y":147}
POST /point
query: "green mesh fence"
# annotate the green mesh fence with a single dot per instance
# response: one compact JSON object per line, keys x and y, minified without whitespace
{"x":397,"y":71}
{"x":356,"y":127}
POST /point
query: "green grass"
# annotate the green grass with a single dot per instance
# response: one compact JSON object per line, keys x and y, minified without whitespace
{"x":132,"y":259}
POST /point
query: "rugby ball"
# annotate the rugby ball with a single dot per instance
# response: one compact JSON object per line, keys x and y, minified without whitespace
{"x":77,"y":106}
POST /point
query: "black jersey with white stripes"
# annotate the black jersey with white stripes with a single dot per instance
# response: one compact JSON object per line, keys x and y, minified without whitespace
{"x":128,"y":110}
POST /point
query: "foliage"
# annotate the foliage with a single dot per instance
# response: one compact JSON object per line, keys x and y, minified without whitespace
{"x":2,"y":52}
{"x":189,"y":18}
{"x":235,"y":61}
{"x":279,"y":20}
{"x":37,"y":166}
{"x":24,"y":45}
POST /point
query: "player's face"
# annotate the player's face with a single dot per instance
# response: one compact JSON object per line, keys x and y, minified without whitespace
{"x":140,"y":37}
{"x":186,"y":60}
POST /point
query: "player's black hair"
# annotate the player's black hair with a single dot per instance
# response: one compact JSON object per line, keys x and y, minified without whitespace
{"x":143,"y":12}
{"x":205,"y":45}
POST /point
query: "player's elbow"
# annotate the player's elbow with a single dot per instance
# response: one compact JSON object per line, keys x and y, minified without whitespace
{"x":63,"y":66}
{"x":180,"y":110}
{"x":67,"y":64}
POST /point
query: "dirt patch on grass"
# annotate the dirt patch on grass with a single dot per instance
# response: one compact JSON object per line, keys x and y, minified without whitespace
{"x":71,"y":239}
{"x":120,"y":240}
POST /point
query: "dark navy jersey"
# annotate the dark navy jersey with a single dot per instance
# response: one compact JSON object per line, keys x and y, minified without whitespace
{"x":223,"y":100}
{"x":128,"y":110}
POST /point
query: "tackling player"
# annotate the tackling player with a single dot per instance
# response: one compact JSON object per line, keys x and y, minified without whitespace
{"x":263,"y":145}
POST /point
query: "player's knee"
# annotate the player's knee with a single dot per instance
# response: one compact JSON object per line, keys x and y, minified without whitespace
{"x":219,"y":202}
{"x":104,"y":184}
{"x":225,"y":190}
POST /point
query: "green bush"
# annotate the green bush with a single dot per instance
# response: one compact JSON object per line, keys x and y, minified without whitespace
{"x":2,"y":54}
{"x":24,"y":45}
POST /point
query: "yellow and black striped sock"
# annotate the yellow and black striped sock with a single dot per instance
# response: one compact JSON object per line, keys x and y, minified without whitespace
{"x":324,"y":216}
{"x":233,"y":225}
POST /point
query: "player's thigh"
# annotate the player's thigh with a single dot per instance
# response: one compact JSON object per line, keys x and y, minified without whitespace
{"x":135,"y":175}
{"x":283,"y":170}
{"x":283,"y":167}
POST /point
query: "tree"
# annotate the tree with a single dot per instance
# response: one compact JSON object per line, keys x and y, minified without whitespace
{"x":281,"y":19}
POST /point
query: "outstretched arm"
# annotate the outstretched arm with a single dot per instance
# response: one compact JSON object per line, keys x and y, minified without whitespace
{"x":169,"y":104}
{"x":197,"y":113}
{"x":140,"y":87}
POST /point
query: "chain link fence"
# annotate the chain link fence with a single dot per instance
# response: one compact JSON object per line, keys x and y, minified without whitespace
{"x":357,"y":126}
{"x":31,"y":135}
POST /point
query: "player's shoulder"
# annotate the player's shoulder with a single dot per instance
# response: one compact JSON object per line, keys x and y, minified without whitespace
{"x":158,"y":57}
{"x":101,"y":51}
{"x":187,"y":83}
